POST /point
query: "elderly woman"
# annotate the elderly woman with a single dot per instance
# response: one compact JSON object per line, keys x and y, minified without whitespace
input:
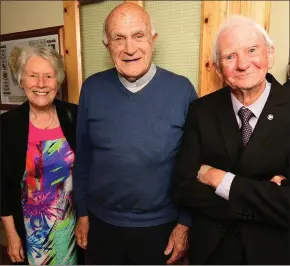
{"x":37,"y":156}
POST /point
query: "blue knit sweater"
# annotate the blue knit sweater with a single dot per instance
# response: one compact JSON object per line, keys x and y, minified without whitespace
{"x":126,"y":146}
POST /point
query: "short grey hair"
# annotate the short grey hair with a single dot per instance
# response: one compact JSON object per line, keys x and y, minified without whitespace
{"x":238,"y":20}
{"x":105,"y":35}
{"x":47,"y":53}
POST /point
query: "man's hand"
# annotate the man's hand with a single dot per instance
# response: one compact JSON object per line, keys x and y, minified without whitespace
{"x":277,"y":179}
{"x":81,"y":231}
{"x":210,"y":176}
{"x":14,"y":248}
{"x":178,"y":243}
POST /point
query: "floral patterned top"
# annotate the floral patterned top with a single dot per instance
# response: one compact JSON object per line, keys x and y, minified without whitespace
{"x":49,"y":214}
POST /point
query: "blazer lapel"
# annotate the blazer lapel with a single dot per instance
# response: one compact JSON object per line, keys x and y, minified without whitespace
{"x":20,"y":139}
{"x":268,"y":120}
{"x":229,"y":126}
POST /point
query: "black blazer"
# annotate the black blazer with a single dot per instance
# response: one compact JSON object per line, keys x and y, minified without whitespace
{"x":14,"y":138}
{"x":287,"y":83}
{"x":257,"y":209}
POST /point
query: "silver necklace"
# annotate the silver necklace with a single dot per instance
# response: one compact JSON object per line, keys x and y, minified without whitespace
{"x":50,"y":123}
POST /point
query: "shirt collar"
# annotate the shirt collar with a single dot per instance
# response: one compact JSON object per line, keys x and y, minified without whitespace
{"x":139,"y":82}
{"x":257,"y":106}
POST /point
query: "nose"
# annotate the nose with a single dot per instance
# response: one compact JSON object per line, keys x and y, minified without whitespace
{"x":40,"y":81}
{"x":243,"y":63}
{"x":130,"y":48}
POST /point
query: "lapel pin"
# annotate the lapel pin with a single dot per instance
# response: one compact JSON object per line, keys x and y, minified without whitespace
{"x":270,"y":117}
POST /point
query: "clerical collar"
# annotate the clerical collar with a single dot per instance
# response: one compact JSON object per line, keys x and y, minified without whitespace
{"x":139,"y":83}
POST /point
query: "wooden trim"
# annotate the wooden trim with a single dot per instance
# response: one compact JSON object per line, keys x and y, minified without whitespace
{"x":140,"y":3}
{"x":72,"y":47}
{"x":4,"y":107}
{"x":267,"y":16}
{"x":89,"y":2}
{"x":213,"y":14}
{"x":254,"y":10}
{"x":30,"y":33}
{"x":64,"y":89}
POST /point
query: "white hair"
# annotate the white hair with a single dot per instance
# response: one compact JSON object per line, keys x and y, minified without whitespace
{"x":105,"y":35}
{"x":46,"y":53}
{"x":233,"y":21}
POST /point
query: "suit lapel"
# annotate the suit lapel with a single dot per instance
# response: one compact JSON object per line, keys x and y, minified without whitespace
{"x":229,"y":126}
{"x":273,"y":108}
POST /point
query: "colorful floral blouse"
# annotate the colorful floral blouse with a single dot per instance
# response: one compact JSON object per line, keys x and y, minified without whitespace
{"x":49,"y":215}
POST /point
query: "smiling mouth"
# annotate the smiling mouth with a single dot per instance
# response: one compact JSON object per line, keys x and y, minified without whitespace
{"x":131,"y":60}
{"x":40,"y":93}
{"x":243,"y":76}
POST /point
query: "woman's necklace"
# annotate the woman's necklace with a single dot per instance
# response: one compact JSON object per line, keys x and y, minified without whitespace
{"x":51,"y":120}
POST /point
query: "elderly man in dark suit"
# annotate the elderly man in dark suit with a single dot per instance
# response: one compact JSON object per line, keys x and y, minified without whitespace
{"x":233,"y":165}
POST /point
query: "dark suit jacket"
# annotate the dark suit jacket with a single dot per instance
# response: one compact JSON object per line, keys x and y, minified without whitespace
{"x":257,"y":209}
{"x":14,"y":137}
{"x":287,"y":83}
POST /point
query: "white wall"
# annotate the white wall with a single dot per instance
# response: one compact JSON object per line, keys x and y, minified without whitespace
{"x":28,"y":15}
{"x":279,"y":32}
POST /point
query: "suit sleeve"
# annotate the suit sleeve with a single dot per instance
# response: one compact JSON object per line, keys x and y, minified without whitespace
{"x":187,"y":191}
{"x":259,"y":201}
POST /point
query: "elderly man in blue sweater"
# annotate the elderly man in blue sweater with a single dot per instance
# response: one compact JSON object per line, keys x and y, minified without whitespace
{"x":130,"y":123}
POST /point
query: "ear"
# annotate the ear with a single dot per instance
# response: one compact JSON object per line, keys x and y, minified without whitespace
{"x":21,"y":83}
{"x":154,"y":38}
{"x":271,"y":57}
{"x":105,"y":44}
{"x":218,"y":71}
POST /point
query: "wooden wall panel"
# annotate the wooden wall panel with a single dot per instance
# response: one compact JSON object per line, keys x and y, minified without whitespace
{"x":234,"y":7}
{"x":140,"y":3}
{"x":72,"y":48}
{"x":257,"y":10}
{"x":213,"y":14}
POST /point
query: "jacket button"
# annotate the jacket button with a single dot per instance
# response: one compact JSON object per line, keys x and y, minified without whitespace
{"x":237,"y":232}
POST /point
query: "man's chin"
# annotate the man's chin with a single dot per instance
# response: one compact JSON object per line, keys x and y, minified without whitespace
{"x":244,"y":85}
{"x":132,"y":77}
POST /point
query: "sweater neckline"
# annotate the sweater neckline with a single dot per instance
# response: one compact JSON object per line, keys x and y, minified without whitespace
{"x":130,"y":93}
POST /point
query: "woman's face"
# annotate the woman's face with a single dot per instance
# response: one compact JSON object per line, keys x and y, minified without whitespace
{"x":39,"y":81}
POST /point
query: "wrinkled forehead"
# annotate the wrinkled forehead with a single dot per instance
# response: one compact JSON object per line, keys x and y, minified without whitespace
{"x":239,"y":37}
{"x":128,"y":19}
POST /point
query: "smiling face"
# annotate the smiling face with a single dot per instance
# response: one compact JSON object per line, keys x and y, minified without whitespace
{"x":39,"y":81}
{"x":130,"y":41}
{"x":244,"y":57}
